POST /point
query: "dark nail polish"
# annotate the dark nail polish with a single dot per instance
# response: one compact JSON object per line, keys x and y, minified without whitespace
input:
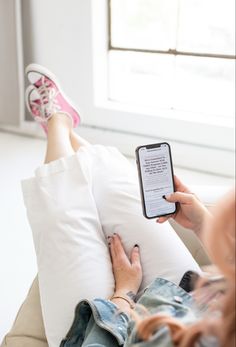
{"x":136,"y":246}
{"x":164,"y":197}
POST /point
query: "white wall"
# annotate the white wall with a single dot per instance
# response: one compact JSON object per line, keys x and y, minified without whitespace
{"x":56,"y":35}
{"x":9,"y":81}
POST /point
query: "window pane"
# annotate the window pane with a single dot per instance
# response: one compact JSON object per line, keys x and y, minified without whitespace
{"x":207,"y":26}
{"x":201,"y":26}
{"x":205,"y":85}
{"x":145,"y":24}
{"x":141,"y":78}
{"x":198,"y":86}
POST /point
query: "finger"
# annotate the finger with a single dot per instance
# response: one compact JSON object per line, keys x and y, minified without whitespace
{"x":182,"y":198}
{"x":112,"y":250}
{"x":163,"y":219}
{"x":135,"y":256}
{"x":118,"y":246}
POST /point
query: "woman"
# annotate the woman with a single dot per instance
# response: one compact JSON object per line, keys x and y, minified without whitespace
{"x":77,"y":204}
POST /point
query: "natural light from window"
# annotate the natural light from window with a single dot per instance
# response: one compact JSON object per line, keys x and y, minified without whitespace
{"x":176,"y":55}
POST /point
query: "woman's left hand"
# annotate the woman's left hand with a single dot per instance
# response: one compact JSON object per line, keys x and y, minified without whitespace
{"x":127,"y":271}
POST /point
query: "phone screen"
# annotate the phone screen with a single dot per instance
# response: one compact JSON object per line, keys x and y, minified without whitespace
{"x":156,"y":178}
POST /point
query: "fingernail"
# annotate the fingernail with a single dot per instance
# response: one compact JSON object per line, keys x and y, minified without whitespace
{"x":164,"y":197}
{"x":109,"y":237}
{"x":136,"y":246}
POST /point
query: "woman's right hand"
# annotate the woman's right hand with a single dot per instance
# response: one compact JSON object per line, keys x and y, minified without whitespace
{"x":190,"y":213}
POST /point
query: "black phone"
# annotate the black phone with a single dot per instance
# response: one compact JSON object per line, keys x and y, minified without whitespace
{"x":156,"y":178}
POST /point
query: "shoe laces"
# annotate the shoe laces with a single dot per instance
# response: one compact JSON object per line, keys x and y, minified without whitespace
{"x":48,"y":103}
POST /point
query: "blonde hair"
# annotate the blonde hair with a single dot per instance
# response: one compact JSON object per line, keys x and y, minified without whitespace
{"x":219,"y":239}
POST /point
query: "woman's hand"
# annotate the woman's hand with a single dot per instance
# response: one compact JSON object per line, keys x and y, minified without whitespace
{"x":127,"y":271}
{"x":191,"y":213}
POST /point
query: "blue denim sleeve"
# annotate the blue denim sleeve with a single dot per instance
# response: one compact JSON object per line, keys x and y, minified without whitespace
{"x":97,"y":323}
{"x":95,"y":336}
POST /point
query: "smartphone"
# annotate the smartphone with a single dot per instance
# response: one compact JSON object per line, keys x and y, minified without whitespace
{"x":156,"y":179}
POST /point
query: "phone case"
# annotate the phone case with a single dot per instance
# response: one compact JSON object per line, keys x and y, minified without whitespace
{"x":141,"y":182}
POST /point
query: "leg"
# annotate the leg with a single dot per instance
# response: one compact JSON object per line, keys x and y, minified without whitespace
{"x":77,"y":141}
{"x":58,"y":144}
{"x":72,"y":253}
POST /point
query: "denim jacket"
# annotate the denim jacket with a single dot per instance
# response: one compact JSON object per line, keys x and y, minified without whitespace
{"x":99,"y":323}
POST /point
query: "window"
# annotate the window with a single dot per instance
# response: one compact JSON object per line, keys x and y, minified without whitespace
{"x":163,"y":70}
{"x":176,"y":55}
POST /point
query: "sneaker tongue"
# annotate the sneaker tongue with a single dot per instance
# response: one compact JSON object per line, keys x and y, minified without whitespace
{"x":34,"y":95}
{"x":39,"y":82}
{"x":44,"y":81}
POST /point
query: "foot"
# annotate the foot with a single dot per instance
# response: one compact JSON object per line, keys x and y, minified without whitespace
{"x":44,"y":98}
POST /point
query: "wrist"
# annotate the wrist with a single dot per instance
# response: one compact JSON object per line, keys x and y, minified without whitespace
{"x":123,"y":302}
{"x":127,"y":293}
{"x":204,"y":217}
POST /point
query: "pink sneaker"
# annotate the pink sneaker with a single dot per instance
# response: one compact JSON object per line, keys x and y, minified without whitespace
{"x":44,"y":97}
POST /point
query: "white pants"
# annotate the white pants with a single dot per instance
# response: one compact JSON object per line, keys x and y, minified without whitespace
{"x":73,"y":204}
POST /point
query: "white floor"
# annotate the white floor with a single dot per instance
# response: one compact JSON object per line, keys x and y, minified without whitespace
{"x":19,"y":156}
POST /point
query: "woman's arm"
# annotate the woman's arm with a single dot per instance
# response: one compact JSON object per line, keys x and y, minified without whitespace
{"x":191,"y":213}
